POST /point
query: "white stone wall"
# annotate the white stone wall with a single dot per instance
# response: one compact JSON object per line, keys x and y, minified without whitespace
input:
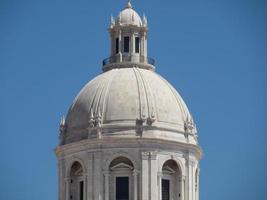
{"x":147,"y":158}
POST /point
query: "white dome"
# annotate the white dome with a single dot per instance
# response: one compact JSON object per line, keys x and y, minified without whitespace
{"x":129,"y":17}
{"x":122,"y":99}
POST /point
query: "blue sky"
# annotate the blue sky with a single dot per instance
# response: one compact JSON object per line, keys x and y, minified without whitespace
{"x":213,"y":51}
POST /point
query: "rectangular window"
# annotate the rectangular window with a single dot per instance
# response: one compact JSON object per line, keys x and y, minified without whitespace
{"x":165,"y":187}
{"x":126,"y":44}
{"x":81,"y":190}
{"x":137,"y":44}
{"x":117,"y":45}
{"x":122,"y":188}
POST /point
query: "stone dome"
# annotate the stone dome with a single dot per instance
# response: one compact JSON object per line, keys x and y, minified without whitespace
{"x":127,"y":102}
{"x":128,"y":16}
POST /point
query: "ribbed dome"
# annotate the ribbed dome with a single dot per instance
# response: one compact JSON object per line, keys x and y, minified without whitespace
{"x":122,"y":99}
{"x":129,"y":17}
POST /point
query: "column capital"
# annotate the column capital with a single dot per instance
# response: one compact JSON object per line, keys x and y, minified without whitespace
{"x":106,"y":172}
{"x":160,"y":174}
{"x":182,"y":178}
{"x":135,"y":172}
{"x":153,"y":155}
{"x":67,"y":178}
{"x":145,"y":155}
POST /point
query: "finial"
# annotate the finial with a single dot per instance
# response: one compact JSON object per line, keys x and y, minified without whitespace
{"x":62,"y":121}
{"x":112,"y":21}
{"x":129,"y":5}
{"x":144,"y":20}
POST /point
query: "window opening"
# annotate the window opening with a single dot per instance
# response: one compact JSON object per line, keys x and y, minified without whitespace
{"x":122,"y":188}
{"x":126,"y":44}
{"x":81,"y":190}
{"x":117,"y":45}
{"x":137,"y":44}
{"x":165,"y":185}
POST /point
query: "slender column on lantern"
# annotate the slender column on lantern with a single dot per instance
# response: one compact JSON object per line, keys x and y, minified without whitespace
{"x":132,"y":45}
{"x":145,"y":45}
{"x":135,"y":174}
{"x":142,"y":41}
{"x":106,"y":174}
{"x":120,"y":47}
{"x":112,"y":44}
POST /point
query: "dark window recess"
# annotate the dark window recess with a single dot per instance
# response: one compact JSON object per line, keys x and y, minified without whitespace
{"x":165,"y":186}
{"x":122,"y":188}
{"x":117,"y":45}
{"x":137,"y":44}
{"x":81,"y":190}
{"x":126,"y":44}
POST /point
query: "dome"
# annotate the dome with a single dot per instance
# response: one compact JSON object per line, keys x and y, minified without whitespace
{"x":122,"y":100}
{"x":128,"y":16}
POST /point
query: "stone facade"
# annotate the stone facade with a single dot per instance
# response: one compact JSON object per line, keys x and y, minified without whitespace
{"x":128,"y":134}
{"x":147,"y":158}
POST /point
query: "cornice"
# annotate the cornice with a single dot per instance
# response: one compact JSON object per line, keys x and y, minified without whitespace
{"x":145,"y":143}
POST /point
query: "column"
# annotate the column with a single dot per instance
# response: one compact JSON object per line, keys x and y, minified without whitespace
{"x":153,"y":175}
{"x":106,"y":175}
{"x":145,"y":172}
{"x":85,"y":186}
{"x":67,"y":184}
{"x":90,"y":177}
{"x":186,"y":185}
{"x":98,"y":177}
{"x":191,"y":186}
{"x":120,"y":46}
{"x":132,"y":43}
{"x":135,"y":176}
{"x":182,"y":183}
{"x":145,"y":45}
{"x":142,"y":47}
{"x":112,"y":38}
{"x":197,"y":192}
{"x":61,"y":182}
{"x":159,"y":185}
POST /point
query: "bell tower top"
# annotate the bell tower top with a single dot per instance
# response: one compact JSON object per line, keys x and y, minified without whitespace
{"x":128,"y":35}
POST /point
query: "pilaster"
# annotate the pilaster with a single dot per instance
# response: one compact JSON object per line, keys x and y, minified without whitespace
{"x":153,"y":175}
{"x":145,"y":180}
{"x":90,"y":175}
{"x":97,"y":185}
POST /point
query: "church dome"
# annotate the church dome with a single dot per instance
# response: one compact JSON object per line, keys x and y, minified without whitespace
{"x":128,"y":16}
{"x":122,"y":99}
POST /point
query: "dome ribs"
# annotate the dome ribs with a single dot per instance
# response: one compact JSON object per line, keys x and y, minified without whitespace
{"x":114,"y":72}
{"x":142,"y":107}
{"x":175,"y":96}
{"x":149,"y":99}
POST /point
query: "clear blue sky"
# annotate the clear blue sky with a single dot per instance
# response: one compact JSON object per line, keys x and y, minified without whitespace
{"x":213,"y":51}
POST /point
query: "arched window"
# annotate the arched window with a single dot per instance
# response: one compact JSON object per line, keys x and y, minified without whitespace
{"x":170,"y":181}
{"x":76,"y":191}
{"x":121,"y":178}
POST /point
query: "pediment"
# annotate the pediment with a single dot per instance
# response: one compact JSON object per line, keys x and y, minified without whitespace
{"x":168,"y":170}
{"x":121,"y":166}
